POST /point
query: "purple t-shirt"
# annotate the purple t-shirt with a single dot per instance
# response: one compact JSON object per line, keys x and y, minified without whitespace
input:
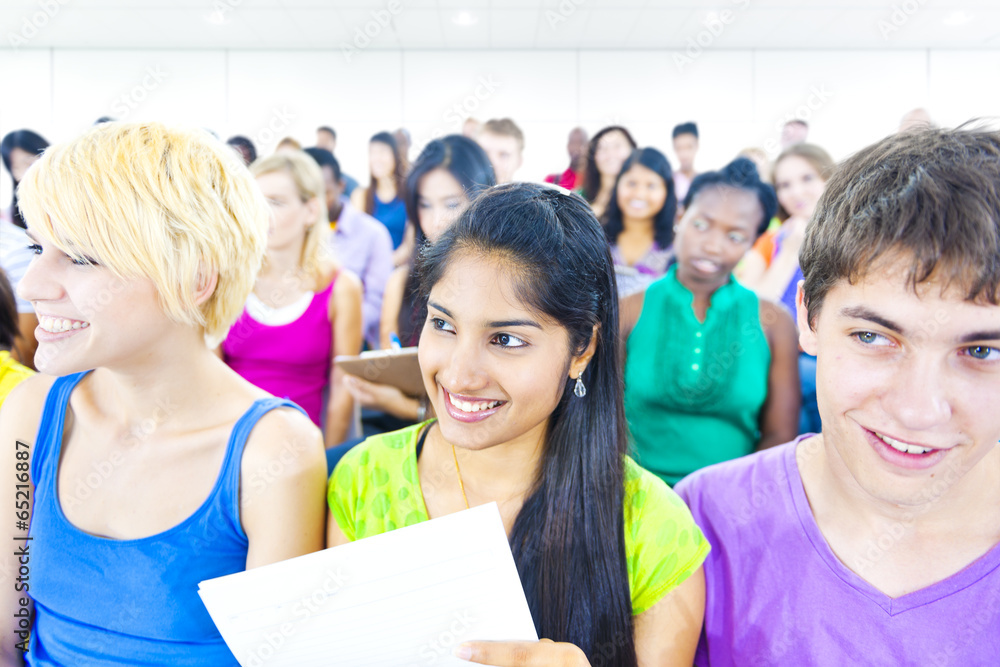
{"x":777,"y":595}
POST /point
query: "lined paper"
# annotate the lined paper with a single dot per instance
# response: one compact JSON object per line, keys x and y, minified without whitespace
{"x":406,"y":597}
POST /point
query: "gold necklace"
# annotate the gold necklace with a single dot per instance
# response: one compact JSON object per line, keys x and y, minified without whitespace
{"x":461,"y":485}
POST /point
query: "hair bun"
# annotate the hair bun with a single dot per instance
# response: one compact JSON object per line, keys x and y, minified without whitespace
{"x":742,"y":170}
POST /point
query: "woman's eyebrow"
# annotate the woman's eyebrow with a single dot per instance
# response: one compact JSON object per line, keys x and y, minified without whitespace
{"x":514,"y":323}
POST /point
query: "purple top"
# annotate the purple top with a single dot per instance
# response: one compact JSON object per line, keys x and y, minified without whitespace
{"x":362,"y":245}
{"x":777,"y":595}
{"x":290,"y":361}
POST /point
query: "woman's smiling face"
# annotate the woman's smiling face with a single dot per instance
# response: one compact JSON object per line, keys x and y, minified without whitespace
{"x":494,"y":368}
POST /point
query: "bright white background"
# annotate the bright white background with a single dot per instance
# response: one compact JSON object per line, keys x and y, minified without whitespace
{"x":739,"y":98}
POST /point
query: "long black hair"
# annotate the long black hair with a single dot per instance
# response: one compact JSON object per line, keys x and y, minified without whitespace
{"x":398,"y":175}
{"x":27,"y":141}
{"x":568,"y":539}
{"x":592,"y":177}
{"x":468,"y":163}
{"x":663,"y":221}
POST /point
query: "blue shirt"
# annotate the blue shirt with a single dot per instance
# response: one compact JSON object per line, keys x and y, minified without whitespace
{"x":393,"y":215}
{"x":101,"y":601}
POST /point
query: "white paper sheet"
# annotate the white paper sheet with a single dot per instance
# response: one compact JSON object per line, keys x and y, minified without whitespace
{"x":406,"y":597}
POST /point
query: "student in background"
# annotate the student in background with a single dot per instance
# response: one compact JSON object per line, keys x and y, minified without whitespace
{"x":639,"y":221}
{"x":891,"y":515}
{"x":710,"y":370}
{"x":12,"y":373}
{"x":142,"y":448}
{"x":245,"y":148}
{"x":447,"y":175}
{"x":795,"y":131}
{"x":606,"y":154}
{"x":403,"y":141}
{"x":385,"y":196}
{"x":359,"y":243}
{"x":685,"y":138}
{"x":326,"y":138}
{"x":503,"y":142}
{"x":19,"y":150}
{"x":576,"y":147}
{"x":519,"y":356}
{"x":800,"y":175}
{"x":304,"y":308}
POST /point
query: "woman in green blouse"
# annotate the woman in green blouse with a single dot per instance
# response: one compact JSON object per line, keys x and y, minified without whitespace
{"x":711,"y":370}
{"x":520,"y":360}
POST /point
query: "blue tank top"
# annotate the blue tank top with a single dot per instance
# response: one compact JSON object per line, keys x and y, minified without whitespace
{"x":101,"y":601}
{"x":393,"y":216}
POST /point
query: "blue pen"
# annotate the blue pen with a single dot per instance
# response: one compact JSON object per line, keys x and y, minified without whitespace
{"x":394,"y":341}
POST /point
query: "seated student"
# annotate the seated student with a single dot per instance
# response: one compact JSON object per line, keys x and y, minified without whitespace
{"x":877,"y":542}
{"x":305,"y":309}
{"x":576,"y":147}
{"x":12,"y":373}
{"x":606,"y":153}
{"x":503,"y":142}
{"x":447,"y":175}
{"x":711,"y":370}
{"x":142,"y":449}
{"x":359,"y":243}
{"x":519,"y":356}
{"x":685,"y":138}
{"x":385,"y":196}
{"x":326,"y":138}
{"x":639,"y":221}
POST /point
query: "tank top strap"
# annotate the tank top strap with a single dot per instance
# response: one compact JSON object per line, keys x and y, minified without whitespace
{"x":51,"y":426}
{"x":229,"y":494}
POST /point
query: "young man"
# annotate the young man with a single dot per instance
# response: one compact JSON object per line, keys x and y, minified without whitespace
{"x":326,"y":138}
{"x":877,"y":542}
{"x":795,"y":131}
{"x":503,"y":142}
{"x":576,"y":147}
{"x":360,"y":243}
{"x":685,"y":138}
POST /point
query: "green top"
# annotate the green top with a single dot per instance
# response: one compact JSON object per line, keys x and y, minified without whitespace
{"x":375,"y":489}
{"x":694,"y":390}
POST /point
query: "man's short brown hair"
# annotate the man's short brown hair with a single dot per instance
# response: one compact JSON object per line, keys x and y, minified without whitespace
{"x":504,"y":127}
{"x":930,"y":196}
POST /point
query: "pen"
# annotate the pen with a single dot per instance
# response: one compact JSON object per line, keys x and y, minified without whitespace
{"x":394,"y":341}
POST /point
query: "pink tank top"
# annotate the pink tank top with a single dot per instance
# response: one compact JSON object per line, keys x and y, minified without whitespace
{"x":289,"y":361}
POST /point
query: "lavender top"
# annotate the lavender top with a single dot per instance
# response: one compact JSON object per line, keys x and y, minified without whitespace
{"x":777,"y":595}
{"x":362,"y":245}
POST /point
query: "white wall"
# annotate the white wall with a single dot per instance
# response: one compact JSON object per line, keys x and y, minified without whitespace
{"x":739,"y":97}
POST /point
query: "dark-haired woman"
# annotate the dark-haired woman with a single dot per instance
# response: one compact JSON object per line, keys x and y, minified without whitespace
{"x":19,"y":150}
{"x":385,"y":197}
{"x":519,"y":357}
{"x":445,"y":177}
{"x":639,"y":221}
{"x":711,"y":370}
{"x":606,"y":154}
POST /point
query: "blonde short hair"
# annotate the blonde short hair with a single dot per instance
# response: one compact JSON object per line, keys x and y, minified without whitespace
{"x":308,"y":179}
{"x":146,"y":200}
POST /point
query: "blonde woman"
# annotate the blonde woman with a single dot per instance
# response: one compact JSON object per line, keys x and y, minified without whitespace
{"x":304,"y":310}
{"x":137,"y":453}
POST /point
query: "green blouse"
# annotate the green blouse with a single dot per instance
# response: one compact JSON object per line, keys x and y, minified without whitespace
{"x":375,"y":489}
{"x":694,"y":390}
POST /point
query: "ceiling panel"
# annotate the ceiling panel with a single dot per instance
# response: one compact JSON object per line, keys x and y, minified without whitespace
{"x":500,"y":24}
